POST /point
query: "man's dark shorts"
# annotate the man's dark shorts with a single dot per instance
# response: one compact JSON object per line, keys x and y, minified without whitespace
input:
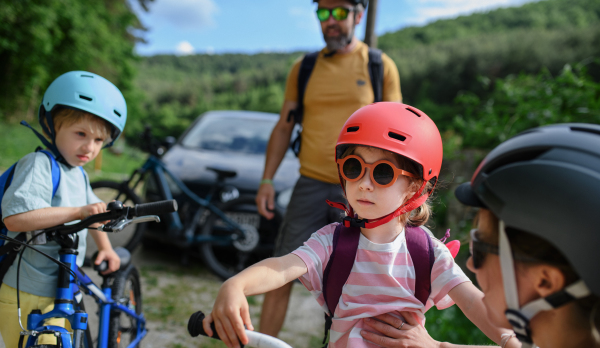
{"x":308,"y":212}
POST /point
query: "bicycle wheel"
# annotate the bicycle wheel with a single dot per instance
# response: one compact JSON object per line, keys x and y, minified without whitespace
{"x":126,"y":290}
{"x":109,"y":191}
{"x":224,"y":259}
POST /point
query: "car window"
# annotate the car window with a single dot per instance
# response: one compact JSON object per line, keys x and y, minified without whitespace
{"x":229,"y":134}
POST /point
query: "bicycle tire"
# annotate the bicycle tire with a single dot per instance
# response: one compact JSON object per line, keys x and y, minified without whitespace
{"x":224,"y":260}
{"x":126,"y":289}
{"x":108,"y":191}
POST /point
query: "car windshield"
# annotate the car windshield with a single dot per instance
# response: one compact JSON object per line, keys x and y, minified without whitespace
{"x":230,"y":134}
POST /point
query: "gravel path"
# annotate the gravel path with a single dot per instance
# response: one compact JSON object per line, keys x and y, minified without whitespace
{"x":171,"y":293}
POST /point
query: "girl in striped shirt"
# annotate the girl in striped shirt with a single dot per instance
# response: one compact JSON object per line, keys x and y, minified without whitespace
{"x":389,"y":157}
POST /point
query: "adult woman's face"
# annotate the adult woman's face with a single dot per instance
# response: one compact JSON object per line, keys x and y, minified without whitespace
{"x":489,"y":276}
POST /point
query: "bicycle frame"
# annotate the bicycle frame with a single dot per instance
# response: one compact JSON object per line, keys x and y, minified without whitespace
{"x":154,"y":165}
{"x":67,"y":292}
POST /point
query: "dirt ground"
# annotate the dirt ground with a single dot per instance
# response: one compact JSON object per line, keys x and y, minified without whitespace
{"x":172,"y":292}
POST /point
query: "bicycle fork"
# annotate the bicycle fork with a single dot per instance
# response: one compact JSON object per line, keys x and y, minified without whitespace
{"x":63,"y":308}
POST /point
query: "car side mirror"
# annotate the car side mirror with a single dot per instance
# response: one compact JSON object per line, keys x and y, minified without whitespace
{"x":169,"y":142}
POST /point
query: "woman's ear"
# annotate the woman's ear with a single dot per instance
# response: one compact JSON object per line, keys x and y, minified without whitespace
{"x":548,"y":279}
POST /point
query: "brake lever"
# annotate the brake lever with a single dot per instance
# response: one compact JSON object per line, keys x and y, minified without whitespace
{"x":119,"y":226}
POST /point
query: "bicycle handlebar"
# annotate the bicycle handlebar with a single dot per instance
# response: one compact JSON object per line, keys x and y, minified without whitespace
{"x":117,"y":210}
{"x":255,"y":339}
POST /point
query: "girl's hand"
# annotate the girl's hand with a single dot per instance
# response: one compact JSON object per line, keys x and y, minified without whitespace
{"x":91,"y":209}
{"x":108,"y":254}
{"x":230,"y":314}
{"x":411,"y":334}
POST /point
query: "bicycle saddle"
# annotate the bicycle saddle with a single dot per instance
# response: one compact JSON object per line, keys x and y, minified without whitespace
{"x":123,"y":254}
{"x":223,"y":173}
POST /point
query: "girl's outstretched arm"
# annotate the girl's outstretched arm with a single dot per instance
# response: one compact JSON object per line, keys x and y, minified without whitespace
{"x":230,"y":312}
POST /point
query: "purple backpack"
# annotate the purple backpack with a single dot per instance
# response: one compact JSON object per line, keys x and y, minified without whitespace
{"x":345,"y":245}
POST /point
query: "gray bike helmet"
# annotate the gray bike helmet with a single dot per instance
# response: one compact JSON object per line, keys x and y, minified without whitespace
{"x":545,"y":181}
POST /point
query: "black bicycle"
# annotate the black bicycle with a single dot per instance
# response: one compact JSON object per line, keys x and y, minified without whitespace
{"x":229,"y":235}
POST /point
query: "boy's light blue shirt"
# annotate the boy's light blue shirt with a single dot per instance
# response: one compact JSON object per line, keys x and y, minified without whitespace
{"x":31,"y":189}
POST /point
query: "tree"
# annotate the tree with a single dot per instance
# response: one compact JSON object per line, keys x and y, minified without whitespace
{"x":41,"y":39}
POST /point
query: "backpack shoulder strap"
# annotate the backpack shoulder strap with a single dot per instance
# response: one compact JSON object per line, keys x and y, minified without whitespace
{"x":55,"y":168}
{"x":337,"y":271}
{"x":341,"y":260}
{"x":376,"y":73}
{"x":420,"y":248}
{"x":306,"y":67}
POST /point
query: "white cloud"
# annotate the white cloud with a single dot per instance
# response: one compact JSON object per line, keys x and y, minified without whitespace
{"x":429,"y":10}
{"x":184,"y":48}
{"x":187,"y":14}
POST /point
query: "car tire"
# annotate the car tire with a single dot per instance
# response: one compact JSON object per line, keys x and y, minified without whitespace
{"x":225,"y":260}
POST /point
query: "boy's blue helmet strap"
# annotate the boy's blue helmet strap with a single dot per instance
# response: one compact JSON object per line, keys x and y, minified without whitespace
{"x":49,"y":145}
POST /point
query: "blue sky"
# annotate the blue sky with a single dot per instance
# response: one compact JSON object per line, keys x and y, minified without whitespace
{"x":245,"y":26}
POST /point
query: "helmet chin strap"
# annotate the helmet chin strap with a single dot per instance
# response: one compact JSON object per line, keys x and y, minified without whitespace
{"x":351,"y":221}
{"x":49,"y":129}
{"x":520,"y":317}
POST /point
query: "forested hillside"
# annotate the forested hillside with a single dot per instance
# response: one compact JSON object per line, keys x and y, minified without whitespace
{"x":457,"y":70}
{"x":438,"y":62}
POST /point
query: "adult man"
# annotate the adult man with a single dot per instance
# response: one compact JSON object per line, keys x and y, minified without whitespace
{"x":338,"y":85}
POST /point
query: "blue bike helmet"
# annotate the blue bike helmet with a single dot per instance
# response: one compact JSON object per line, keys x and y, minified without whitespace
{"x":88,"y":92}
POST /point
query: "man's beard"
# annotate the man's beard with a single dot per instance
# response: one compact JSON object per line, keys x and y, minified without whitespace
{"x":340,"y":41}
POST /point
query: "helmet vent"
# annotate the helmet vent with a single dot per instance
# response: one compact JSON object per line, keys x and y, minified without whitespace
{"x":352,"y":129}
{"x":90,"y":76}
{"x":413,"y":111}
{"x":587,"y":130}
{"x":117,"y":113}
{"x":85,"y":97}
{"x":396,"y":136}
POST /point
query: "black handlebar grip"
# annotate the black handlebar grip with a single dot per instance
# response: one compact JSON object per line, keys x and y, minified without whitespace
{"x":155,"y":208}
{"x":195,"y":326}
{"x":103,"y":266}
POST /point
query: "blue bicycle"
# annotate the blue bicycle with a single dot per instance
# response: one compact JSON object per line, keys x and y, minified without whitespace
{"x":121,"y":321}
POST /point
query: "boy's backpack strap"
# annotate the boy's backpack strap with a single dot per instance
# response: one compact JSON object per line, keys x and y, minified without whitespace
{"x":376,"y":73}
{"x":420,"y":248}
{"x":55,"y":168}
{"x":8,"y":254}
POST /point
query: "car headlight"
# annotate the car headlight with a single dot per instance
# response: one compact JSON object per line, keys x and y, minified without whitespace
{"x":284,"y":198}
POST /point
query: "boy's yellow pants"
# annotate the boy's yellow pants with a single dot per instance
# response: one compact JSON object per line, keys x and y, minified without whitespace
{"x":9,"y":321}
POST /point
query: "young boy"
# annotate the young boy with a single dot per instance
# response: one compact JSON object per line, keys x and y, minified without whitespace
{"x":80,"y":114}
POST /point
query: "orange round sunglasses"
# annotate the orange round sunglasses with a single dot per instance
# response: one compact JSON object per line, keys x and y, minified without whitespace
{"x":383,"y":172}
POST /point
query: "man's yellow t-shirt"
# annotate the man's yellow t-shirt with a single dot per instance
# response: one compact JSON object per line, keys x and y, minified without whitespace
{"x":338,"y":86}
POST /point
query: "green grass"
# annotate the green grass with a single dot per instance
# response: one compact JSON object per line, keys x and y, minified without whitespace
{"x":16,"y":141}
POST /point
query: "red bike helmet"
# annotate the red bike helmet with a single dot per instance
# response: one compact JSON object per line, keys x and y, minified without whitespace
{"x":401,"y":129}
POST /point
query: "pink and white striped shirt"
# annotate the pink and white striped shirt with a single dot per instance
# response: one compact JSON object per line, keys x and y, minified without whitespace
{"x":382,"y":280}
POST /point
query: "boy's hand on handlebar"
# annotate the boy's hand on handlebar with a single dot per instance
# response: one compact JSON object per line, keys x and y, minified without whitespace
{"x":230,"y":314}
{"x":265,"y":200}
{"x":109,"y":255}
{"x":91,"y":209}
